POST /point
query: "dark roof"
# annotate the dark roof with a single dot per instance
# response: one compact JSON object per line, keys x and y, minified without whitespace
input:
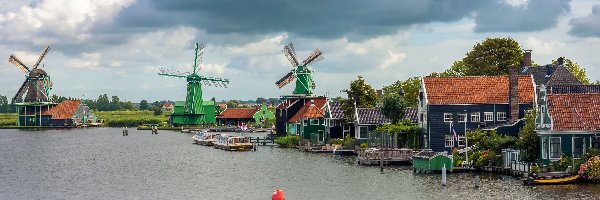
{"x":410,"y":113}
{"x":475,"y":90}
{"x":551,"y":75}
{"x":568,"y":89}
{"x":336,"y":110}
{"x":238,"y":113}
{"x":574,"y":112}
{"x":562,"y":76}
{"x":371,"y":116}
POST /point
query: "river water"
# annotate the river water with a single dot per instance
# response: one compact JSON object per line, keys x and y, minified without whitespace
{"x":99,"y":163}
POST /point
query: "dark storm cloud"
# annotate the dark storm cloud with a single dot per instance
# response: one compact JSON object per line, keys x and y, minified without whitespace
{"x":312,"y":18}
{"x":588,"y":26}
{"x":537,"y":15}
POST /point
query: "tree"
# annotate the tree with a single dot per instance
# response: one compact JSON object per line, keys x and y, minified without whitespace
{"x":528,"y":140}
{"x":114,"y":104}
{"x":491,"y":57}
{"x":575,"y":69}
{"x":361,"y":95}
{"x":102,"y":103}
{"x":411,"y":90}
{"x":260,"y":100}
{"x":232,"y":103}
{"x":458,"y":68}
{"x":393,"y":107}
{"x":144,"y":105}
{"x":4,"y":104}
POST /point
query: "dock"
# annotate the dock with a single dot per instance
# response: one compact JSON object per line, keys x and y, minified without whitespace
{"x":387,"y":156}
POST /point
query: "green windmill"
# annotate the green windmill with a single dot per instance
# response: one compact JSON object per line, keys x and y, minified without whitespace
{"x":195,"y":111}
{"x":305,"y":85}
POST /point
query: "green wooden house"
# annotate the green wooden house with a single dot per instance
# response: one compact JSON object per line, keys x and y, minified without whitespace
{"x":309,"y":122}
{"x":567,"y":121}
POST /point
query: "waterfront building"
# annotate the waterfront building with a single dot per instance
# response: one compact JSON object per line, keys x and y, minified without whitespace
{"x":256,"y":114}
{"x":309,"y":122}
{"x":290,"y":107}
{"x":459,"y":104}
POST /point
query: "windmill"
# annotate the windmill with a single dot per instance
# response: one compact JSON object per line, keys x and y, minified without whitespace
{"x":37,"y":84}
{"x":195,"y":110}
{"x":305,"y":84}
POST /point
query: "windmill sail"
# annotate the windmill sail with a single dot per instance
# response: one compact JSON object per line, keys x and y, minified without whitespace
{"x":13,"y":59}
{"x":290,"y":55}
{"x":289,"y":77}
{"x":313,"y":56}
{"x":44,"y":52}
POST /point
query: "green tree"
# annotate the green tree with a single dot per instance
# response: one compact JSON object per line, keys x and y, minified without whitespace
{"x":575,"y":69}
{"x":144,"y":105}
{"x":232,"y":104}
{"x":528,"y":140}
{"x":411,"y":90}
{"x":114,"y":104}
{"x":393,"y":107}
{"x":4,"y":104}
{"x":103,"y":104}
{"x":361,"y":95}
{"x":458,"y":68}
{"x":493,"y":56}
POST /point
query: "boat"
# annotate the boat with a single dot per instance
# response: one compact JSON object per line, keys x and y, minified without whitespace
{"x":551,"y":178}
{"x":205,"y":138}
{"x":429,"y":162}
{"x":233,"y":143}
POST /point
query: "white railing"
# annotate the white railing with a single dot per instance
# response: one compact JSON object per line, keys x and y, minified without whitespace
{"x":520,"y":166}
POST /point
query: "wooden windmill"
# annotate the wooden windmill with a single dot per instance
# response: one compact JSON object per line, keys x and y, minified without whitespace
{"x":305,"y":84}
{"x":37,"y":84}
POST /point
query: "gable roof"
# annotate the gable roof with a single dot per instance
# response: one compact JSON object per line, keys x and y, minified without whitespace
{"x":371,"y":116}
{"x":335,"y":109}
{"x":475,"y":90}
{"x":574,"y":112}
{"x":311,"y":109}
{"x":566,"y":89}
{"x":238,"y":113}
{"x":167,"y":104}
{"x":64,"y":110}
{"x":410,"y":113}
{"x":562,"y":76}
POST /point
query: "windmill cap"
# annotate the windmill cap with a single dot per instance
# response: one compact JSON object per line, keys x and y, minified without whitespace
{"x":37,"y":72}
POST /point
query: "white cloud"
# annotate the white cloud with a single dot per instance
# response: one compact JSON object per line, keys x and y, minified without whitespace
{"x":517,"y":2}
{"x":542,"y":47}
{"x":392,"y":59}
{"x":85,"y":61}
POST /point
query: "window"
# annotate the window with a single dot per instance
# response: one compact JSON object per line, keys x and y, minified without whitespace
{"x":314,"y":122}
{"x":488,"y":116}
{"x":545,"y":148}
{"x":449,"y":140}
{"x":595,"y":142}
{"x":305,"y":122}
{"x":461,"y":141}
{"x":363,"y":132}
{"x":501,"y":116}
{"x":555,"y":148}
{"x":462,"y":117}
{"x":447,"y":117}
{"x":475,"y":117}
{"x":543,"y":109}
{"x":577,"y":147}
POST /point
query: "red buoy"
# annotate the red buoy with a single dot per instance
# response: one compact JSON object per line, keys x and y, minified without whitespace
{"x":278,"y":195}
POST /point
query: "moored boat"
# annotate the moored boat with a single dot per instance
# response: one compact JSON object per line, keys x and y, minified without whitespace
{"x":551,"y":178}
{"x":205,"y":138}
{"x":233,"y":143}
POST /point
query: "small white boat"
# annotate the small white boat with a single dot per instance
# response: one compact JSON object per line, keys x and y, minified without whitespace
{"x":233,"y":143}
{"x":204,"y":138}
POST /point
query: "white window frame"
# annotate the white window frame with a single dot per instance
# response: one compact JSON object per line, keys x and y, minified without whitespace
{"x":312,"y":121}
{"x":573,"y":147}
{"x":545,"y":147}
{"x":461,"y":141}
{"x":550,"y":148}
{"x":305,"y":122}
{"x":499,"y":116}
{"x":485,"y":116}
{"x":449,"y":140}
{"x":464,"y":115}
{"x":359,"y":132}
{"x":448,"y":117}
{"x":475,"y":117}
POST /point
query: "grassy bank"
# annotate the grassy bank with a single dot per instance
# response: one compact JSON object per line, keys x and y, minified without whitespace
{"x":8,"y":119}
{"x":130,"y":118}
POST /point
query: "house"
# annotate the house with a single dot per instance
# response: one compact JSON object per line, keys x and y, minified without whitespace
{"x":244,"y":115}
{"x":334,"y":125}
{"x":459,"y":104}
{"x":71,"y":113}
{"x":168,"y":106}
{"x":288,"y":108}
{"x":366,"y":120}
{"x":309,"y":122}
{"x":569,"y":123}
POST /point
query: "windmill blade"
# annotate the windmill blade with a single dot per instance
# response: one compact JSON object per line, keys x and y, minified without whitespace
{"x":44,"y":51}
{"x":290,"y":55}
{"x":317,"y":59}
{"x":314,"y":55}
{"x":13,"y":59}
{"x":293,"y":50}
{"x":289,"y":77}
{"x":19,"y":96}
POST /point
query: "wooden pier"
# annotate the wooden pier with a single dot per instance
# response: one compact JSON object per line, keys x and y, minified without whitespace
{"x":262,"y":141}
{"x":387,"y":156}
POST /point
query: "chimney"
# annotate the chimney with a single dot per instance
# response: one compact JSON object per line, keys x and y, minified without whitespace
{"x":513,"y":94}
{"x":561,"y":61}
{"x":527,"y":58}
{"x":379,"y":94}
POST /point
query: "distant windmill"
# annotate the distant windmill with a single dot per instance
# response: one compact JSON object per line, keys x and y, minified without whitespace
{"x":305,"y":84}
{"x":37,"y":84}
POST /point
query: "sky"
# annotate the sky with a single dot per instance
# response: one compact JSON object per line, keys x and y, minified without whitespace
{"x":116,"y":47}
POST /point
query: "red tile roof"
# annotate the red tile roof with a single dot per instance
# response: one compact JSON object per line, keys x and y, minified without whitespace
{"x":313,"y":108}
{"x":167,"y":104}
{"x":574,"y":112}
{"x":475,"y":90}
{"x":64,"y":110}
{"x":238,"y":113}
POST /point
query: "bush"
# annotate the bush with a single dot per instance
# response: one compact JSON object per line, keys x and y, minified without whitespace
{"x":348,"y":142}
{"x":562,"y":164}
{"x":364,"y":145}
{"x":288,"y":141}
{"x":590,"y":170}
{"x":336,"y":141}
{"x":457,"y":158}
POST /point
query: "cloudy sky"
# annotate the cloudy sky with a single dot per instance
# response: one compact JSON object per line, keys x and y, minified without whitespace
{"x":116,"y":46}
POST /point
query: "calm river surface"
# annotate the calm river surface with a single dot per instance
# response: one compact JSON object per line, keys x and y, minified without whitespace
{"x":99,"y":163}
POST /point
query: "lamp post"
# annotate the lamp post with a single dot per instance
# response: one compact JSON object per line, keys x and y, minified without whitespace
{"x":466,"y":139}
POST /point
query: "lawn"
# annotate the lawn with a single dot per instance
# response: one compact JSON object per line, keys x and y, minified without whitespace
{"x":130,"y":118}
{"x":8,"y":119}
